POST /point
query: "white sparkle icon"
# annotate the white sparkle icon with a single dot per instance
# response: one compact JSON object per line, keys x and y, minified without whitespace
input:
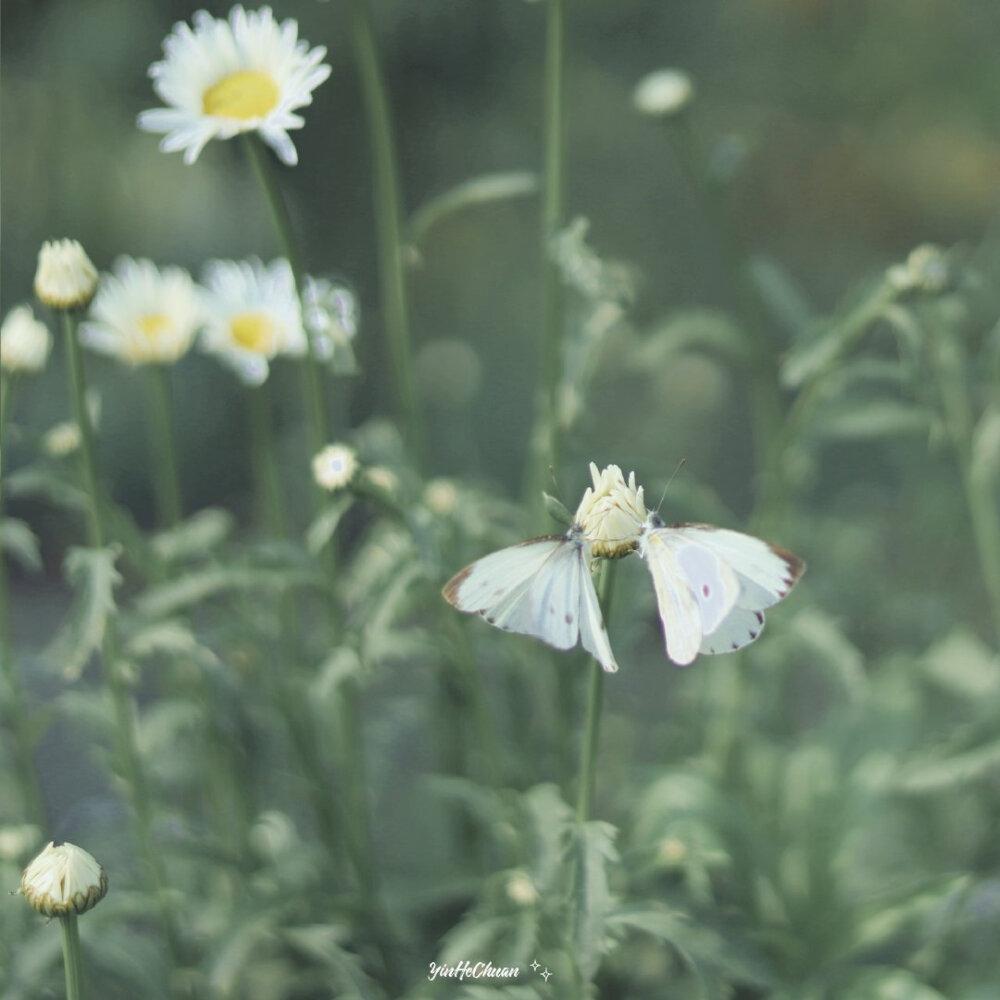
{"x":535,"y":966}
{"x":545,"y":975}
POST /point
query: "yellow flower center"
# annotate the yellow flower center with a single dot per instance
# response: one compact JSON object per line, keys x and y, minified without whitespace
{"x":253,"y":331}
{"x":248,"y":93}
{"x":153,"y":324}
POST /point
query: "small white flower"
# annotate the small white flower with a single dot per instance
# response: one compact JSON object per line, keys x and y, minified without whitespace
{"x":63,"y":879}
{"x":252,"y":314}
{"x":330,"y":313}
{"x":62,"y":439}
{"x":382,"y":478}
{"x":65,"y":278}
{"x":671,"y":851}
{"x":521,"y":890}
{"x":925,"y":270}
{"x":611,"y":513}
{"x":334,"y":467}
{"x":663,"y":92}
{"x":143,"y":315}
{"x":247,"y":74}
{"x":24,"y":341}
{"x":441,"y":497}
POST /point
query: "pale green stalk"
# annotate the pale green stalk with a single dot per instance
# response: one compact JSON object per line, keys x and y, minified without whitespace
{"x":72,"y":959}
{"x":15,"y":710}
{"x":595,"y":702}
{"x":124,"y":708}
{"x":388,"y":223}
{"x":165,"y":479}
{"x":312,"y":373}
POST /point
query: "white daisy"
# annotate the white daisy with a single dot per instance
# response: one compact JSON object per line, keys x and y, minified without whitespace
{"x":247,"y":74}
{"x":663,"y":92}
{"x":334,"y":466}
{"x":64,"y":879}
{"x":24,"y":341}
{"x":143,"y":315}
{"x":330,"y":310}
{"x":252,"y":314}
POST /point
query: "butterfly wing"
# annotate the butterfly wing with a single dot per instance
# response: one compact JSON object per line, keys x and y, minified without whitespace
{"x":765,"y":574}
{"x":675,"y":599}
{"x":540,"y":588}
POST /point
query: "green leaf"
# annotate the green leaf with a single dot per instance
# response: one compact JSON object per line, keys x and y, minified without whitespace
{"x":171,"y":638}
{"x":324,"y":526}
{"x":985,"y":463}
{"x":42,"y":483}
{"x":591,"y":902}
{"x":933,"y":776}
{"x":834,"y":654}
{"x":706,"y":330}
{"x":477,"y":191}
{"x":92,"y":574}
{"x":17,"y":539}
{"x":167,"y":599}
{"x":888,"y":984}
{"x":781,"y":296}
{"x":871,"y":419}
{"x":194,"y":538}
{"x":961,"y":664}
{"x":557,"y":510}
{"x":323,"y":943}
{"x":476,"y":934}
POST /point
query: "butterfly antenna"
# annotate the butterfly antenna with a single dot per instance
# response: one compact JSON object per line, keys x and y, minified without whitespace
{"x":663,"y":496}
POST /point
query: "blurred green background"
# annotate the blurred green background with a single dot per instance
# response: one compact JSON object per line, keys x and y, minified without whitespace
{"x":846,"y":131}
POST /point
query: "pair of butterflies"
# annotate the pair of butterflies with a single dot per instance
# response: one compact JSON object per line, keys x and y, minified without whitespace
{"x":712,"y":588}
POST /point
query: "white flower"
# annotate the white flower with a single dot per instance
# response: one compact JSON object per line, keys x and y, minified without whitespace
{"x":62,"y":439}
{"x":611,"y":513}
{"x":382,"y":478}
{"x":521,"y":890}
{"x":252,"y":314}
{"x":334,"y":467}
{"x":247,"y":74}
{"x":926,"y":270}
{"x":24,"y":341}
{"x":65,"y":278}
{"x":663,"y":92}
{"x":142,"y":315}
{"x":441,"y":497}
{"x":63,"y":879}
{"x":330,"y":313}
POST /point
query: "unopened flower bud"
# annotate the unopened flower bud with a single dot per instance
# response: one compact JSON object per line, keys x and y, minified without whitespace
{"x":65,"y":278}
{"x":62,"y":880}
{"x":611,"y":512}
{"x":24,"y":341}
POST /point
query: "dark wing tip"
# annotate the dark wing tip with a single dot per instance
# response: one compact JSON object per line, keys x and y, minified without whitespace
{"x":795,"y":566}
{"x":450,"y":590}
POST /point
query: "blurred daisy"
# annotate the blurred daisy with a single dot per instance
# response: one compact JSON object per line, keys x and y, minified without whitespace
{"x":331,"y":315}
{"x":61,"y":440}
{"x":252,"y":314}
{"x":334,"y":466}
{"x":664,"y":92}
{"x":143,"y":315}
{"x":65,"y":277}
{"x":247,"y":74}
{"x":24,"y":341}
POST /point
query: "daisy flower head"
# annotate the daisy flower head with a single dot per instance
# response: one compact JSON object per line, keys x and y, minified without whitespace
{"x":63,"y":879}
{"x":142,"y":315}
{"x":252,"y":315}
{"x":223,"y":77}
{"x":663,"y":92}
{"x":612,"y":512}
{"x":24,"y":341}
{"x":334,"y":467}
{"x":65,"y":277}
{"x":330,"y":312}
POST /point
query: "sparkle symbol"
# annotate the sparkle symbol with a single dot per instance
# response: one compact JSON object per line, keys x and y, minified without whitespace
{"x":535,"y":966}
{"x":545,"y":975}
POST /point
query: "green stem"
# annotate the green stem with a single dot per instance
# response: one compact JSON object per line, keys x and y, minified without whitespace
{"x":595,"y":701}
{"x":388,"y":222}
{"x":311,"y":371}
{"x":14,"y":709}
{"x":72,"y":962}
{"x":124,"y":708}
{"x":165,"y":478}
{"x":271,"y":507}
{"x":545,"y":446}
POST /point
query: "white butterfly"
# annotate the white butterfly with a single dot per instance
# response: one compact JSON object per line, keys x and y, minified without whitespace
{"x":713,"y":585}
{"x":542,"y":588}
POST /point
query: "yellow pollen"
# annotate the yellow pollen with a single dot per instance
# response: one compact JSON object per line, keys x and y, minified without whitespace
{"x":253,"y":331}
{"x":248,"y":93}
{"x":153,"y":324}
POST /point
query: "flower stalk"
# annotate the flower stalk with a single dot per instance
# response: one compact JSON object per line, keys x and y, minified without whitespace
{"x":165,"y":478}
{"x":124,"y":709}
{"x":72,"y":960}
{"x":388,"y":222}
